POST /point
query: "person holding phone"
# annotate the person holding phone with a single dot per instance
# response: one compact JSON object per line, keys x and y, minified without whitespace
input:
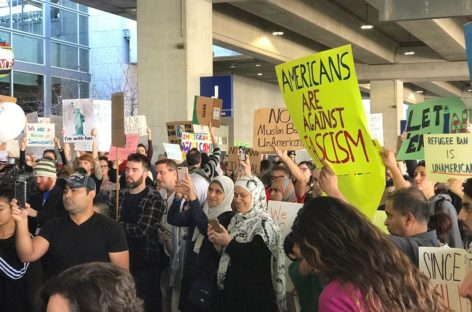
{"x":251,"y":272}
{"x":18,"y":280}
{"x":202,"y":258}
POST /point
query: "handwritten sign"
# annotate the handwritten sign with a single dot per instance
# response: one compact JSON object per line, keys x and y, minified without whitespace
{"x":254,"y":159}
{"x":283,"y":213}
{"x":447,"y":156}
{"x":274,"y":127}
{"x":322,"y":95}
{"x":446,"y":267}
{"x":38,"y":134}
{"x":136,"y":125}
{"x":445,"y":115}
{"x":375,"y":124}
{"x":200,"y":141}
{"x":102,"y":122}
{"x":175,"y":130}
{"x":173,"y":151}
{"x":118,"y":137}
{"x":132,"y":141}
{"x":207,"y":110}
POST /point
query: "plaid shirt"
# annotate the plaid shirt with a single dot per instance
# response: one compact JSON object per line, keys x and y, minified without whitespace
{"x":150,"y":208}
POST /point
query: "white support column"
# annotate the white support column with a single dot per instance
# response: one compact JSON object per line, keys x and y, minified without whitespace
{"x":174,"y":51}
{"x":386,"y":97}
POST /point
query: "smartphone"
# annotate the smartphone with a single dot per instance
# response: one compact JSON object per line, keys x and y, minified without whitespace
{"x":20,"y":193}
{"x":182,"y":173}
{"x":215,"y":225}
{"x":242,"y":153}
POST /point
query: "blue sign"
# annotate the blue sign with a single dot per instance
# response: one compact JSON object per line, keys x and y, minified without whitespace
{"x":220,"y":87}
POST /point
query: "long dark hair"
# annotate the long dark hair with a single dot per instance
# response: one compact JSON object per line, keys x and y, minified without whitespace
{"x":343,"y":245}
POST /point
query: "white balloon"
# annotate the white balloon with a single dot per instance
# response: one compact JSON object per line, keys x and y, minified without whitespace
{"x":12,"y":121}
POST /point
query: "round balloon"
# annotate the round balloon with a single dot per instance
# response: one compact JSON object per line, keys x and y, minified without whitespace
{"x":12,"y":121}
{"x":6,"y":58}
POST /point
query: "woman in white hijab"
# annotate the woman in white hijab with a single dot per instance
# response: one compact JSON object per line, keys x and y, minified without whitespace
{"x":251,"y":272}
{"x":201,"y":262}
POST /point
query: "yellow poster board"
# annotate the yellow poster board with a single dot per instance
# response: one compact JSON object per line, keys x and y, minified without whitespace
{"x":322,"y":95}
{"x":447,"y":156}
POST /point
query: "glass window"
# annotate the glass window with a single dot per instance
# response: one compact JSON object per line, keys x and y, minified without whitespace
{"x":64,"y":56}
{"x":5,"y":13}
{"x":28,"y":90}
{"x":63,"y":25}
{"x":6,"y":36}
{"x":84,"y":60}
{"x":84,"y":90}
{"x":83,"y":30}
{"x":65,"y":3}
{"x":27,"y":15}
{"x":83,"y":8}
{"x":5,"y":84}
{"x":28,"y":49}
{"x":62,"y":88}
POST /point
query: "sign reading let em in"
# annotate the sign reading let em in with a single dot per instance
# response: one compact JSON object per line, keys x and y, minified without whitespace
{"x":447,"y":156}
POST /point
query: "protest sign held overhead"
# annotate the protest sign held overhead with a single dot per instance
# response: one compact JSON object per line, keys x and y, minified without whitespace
{"x":322,"y":95}
{"x":118,"y":137}
{"x":448,"y":156}
{"x":200,"y":141}
{"x":40,"y":134}
{"x":274,"y":127}
{"x":78,"y":120}
{"x":132,"y":141}
{"x":446,"y":268}
{"x":175,"y":130}
{"x":445,"y":115}
{"x":173,"y":151}
{"x":207,"y":111}
{"x":283,"y":213}
{"x":136,"y":125}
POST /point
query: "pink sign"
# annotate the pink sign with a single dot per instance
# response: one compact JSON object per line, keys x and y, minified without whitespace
{"x":132,"y":141}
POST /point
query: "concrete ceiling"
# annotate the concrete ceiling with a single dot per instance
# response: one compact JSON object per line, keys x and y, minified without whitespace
{"x":438,"y":68}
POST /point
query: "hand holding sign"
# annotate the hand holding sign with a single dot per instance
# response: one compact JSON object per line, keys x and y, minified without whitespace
{"x":388,"y":158}
{"x":329,"y":181}
{"x":246,"y":164}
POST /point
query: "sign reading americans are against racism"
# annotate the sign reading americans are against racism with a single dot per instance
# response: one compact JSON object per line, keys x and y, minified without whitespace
{"x":323,"y":98}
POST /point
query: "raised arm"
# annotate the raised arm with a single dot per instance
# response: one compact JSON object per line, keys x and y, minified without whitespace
{"x":150,"y":150}
{"x":297,"y":173}
{"x":391,"y":163}
{"x":329,"y":181}
{"x":28,"y":249}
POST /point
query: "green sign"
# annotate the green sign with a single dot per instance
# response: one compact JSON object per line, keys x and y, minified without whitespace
{"x":445,"y":115}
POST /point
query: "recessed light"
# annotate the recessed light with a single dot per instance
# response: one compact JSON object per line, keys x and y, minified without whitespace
{"x":258,"y":65}
{"x":277,"y":33}
{"x":367,"y":26}
{"x":419,"y":91}
{"x":410,"y":52}
{"x":259,"y":74}
{"x":469,"y":90}
{"x":232,"y":66}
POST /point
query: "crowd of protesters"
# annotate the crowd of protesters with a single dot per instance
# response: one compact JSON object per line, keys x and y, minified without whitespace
{"x":197,"y":236}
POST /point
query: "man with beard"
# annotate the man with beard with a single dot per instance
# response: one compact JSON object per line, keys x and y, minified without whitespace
{"x":47,"y":204}
{"x":141,"y":210}
{"x":82,"y":236}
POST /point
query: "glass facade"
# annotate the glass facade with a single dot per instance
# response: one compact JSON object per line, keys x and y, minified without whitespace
{"x":50,"y":42}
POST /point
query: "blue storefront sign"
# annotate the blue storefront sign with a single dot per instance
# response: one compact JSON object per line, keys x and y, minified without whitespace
{"x":220,"y":87}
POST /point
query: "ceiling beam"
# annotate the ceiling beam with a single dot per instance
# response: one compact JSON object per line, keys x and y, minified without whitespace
{"x":324,"y":22}
{"x":441,"y":88}
{"x":414,"y":72}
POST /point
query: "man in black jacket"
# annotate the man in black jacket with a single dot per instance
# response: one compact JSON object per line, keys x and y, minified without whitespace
{"x":47,"y":204}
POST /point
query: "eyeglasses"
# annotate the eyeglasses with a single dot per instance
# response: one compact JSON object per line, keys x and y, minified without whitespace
{"x":277,"y":177}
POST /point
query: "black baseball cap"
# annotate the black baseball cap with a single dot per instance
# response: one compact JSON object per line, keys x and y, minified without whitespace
{"x":78,"y":180}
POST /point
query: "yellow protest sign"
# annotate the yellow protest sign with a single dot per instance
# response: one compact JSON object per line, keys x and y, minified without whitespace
{"x":323,"y":98}
{"x":447,"y":156}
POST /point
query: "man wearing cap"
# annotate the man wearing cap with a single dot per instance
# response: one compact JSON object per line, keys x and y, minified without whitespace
{"x":82,"y":236}
{"x":47,"y":204}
